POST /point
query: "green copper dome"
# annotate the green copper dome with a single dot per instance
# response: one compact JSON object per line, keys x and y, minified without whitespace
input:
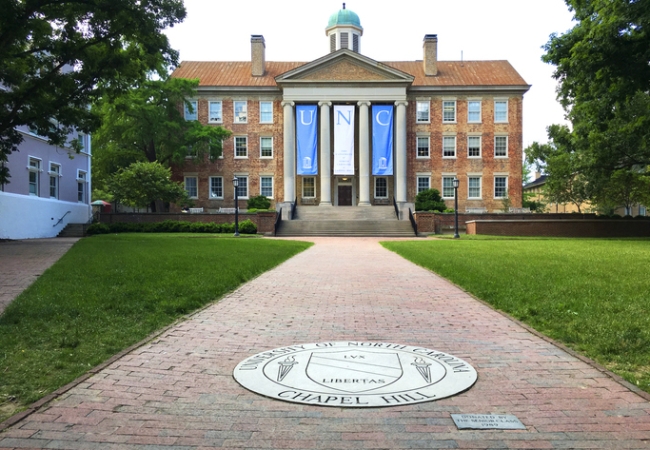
{"x":344,"y":17}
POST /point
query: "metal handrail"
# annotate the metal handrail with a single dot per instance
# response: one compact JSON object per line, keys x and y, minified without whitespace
{"x":276,"y":225}
{"x":61,"y":219}
{"x":396,"y":208}
{"x":293,"y":208}
{"x":414,"y":224}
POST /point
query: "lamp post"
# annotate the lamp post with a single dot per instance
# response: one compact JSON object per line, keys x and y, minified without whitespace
{"x":235,"y":183}
{"x":456,"y":183}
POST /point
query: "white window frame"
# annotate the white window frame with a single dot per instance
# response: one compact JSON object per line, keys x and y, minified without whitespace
{"x":642,"y":210}
{"x":303,"y":187}
{"x":241,"y":186}
{"x":55,"y":173}
{"x":220,"y":118}
{"x":262,"y":178}
{"x":82,"y":186}
{"x":444,"y":139}
{"x":480,"y":146}
{"x":419,"y":177}
{"x":501,"y":101}
{"x":469,"y":186}
{"x":263,"y":102}
{"x":385,"y":187}
{"x":261,"y":147}
{"x":422,"y":103}
{"x":187,"y":114}
{"x":196,"y":186}
{"x":495,"y":186}
{"x":450,"y":185}
{"x":446,"y":103}
{"x":36,"y":170}
{"x":212,"y":187}
{"x":235,"y":139}
{"x":469,"y":111}
{"x":499,"y":137}
{"x":417,"y":147}
{"x":242,"y":117}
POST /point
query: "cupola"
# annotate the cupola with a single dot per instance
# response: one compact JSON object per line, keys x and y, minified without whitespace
{"x":344,"y":30}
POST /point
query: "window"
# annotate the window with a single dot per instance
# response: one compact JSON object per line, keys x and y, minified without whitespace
{"x":215,"y":112}
{"x":192,"y":187}
{"x":422,"y":112}
{"x":266,"y":147}
{"x":241,"y":147}
{"x":448,"y":187}
{"x":34,"y":176}
{"x":474,"y":111}
{"x":474,"y":187}
{"x":242,"y":186}
{"x":55,"y":173}
{"x":240,"y":112}
{"x":424,"y":183}
{"x":266,"y":186}
{"x":266,"y":112}
{"x":216,"y":187}
{"x":449,"y":111}
{"x":449,"y":146}
{"x":642,"y":210}
{"x":501,"y":110}
{"x":191,"y":110}
{"x":423,"y":146}
{"x":381,"y":188}
{"x":308,"y":187}
{"x":501,"y":146}
{"x":500,"y":187}
{"x":628,"y":210}
{"x":81,"y":139}
{"x":474,"y":146}
{"x":81,"y":186}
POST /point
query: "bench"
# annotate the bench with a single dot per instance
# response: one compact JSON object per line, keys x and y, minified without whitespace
{"x":519,"y":210}
{"x":196,"y":210}
{"x":231,"y":210}
{"x":476,"y":210}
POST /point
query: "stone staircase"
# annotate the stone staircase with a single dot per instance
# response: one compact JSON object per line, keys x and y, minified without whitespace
{"x":346,"y":221}
{"x":73,"y":230}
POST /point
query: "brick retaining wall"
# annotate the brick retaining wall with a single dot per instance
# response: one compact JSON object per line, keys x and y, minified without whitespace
{"x":562,"y":228}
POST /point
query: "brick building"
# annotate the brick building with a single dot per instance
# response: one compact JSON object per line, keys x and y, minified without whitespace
{"x":446,"y":119}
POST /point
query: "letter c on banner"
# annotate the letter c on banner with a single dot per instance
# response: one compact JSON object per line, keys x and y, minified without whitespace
{"x":379,"y":121}
{"x":302,"y":117}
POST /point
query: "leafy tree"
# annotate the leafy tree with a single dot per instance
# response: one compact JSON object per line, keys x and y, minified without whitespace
{"x":58,"y":56}
{"x":528,"y":201}
{"x":429,"y":200}
{"x":148,"y":124}
{"x":626,"y":188}
{"x":144,"y":183}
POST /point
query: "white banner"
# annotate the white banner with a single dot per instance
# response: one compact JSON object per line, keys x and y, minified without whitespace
{"x":343,"y":139}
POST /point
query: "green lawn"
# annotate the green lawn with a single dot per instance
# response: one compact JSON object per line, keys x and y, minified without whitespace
{"x":593,"y":295}
{"x":111,"y":291}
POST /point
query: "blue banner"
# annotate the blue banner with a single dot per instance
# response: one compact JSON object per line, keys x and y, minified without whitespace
{"x":382,"y":139}
{"x":307,"y":139}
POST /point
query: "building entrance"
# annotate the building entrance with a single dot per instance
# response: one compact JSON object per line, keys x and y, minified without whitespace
{"x":345,"y":195}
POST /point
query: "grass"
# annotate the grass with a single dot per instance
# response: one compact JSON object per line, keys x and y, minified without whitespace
{"x":111,"y":291}
{"x":592,"y":295}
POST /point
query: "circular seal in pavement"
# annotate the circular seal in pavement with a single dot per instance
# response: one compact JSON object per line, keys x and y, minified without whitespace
{"x":355,"y":374}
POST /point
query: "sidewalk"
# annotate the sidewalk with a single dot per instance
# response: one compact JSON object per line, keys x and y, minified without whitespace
{"x":177,"y":392}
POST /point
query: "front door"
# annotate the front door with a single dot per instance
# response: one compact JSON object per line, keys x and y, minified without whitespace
{"x":345,"y":195}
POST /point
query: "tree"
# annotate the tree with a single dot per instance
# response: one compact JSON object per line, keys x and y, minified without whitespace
{"x":59,"y":56}
{"x":626,"y":188}
{"x":144,"y":183}
{"x":147,"y":124}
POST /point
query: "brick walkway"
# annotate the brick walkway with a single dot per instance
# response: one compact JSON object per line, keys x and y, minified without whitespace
{"x":22,"y":261}
{"x":177,"y":392}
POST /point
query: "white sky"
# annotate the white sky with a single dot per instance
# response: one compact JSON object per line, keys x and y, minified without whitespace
{"x":294,"y":30}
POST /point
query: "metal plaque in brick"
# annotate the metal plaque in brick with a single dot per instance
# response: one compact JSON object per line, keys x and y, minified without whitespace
{"x":487,"y":422}
{"x":355,"y":374}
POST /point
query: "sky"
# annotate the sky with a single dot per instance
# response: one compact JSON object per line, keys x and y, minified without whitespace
{"x":472,"y":30}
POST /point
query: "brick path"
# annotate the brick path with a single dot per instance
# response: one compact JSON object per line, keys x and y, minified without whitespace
{"x":22,"y":261}
{"x":177,"y":392}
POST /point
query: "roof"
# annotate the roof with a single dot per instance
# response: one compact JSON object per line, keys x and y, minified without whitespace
{"x":450,"y":73}
{"x":344,"y":17}
{"x":538,"y":182}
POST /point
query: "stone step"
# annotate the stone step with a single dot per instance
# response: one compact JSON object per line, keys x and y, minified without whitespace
{"x":380,"y":228}
{"x":73,"y":230}
{"x":359,"y":213}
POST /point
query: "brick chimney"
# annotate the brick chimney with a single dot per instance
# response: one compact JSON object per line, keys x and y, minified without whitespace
{"x":430,"y":47}
{"x":257,"y":55}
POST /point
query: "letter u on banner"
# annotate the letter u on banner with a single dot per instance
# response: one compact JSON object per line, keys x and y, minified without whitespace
{"x":382,"y":139}
{"x":307,"y":139}
{"x":343,"y":140}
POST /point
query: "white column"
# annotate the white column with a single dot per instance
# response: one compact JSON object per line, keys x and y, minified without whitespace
{"x":400,"y":153}
{"x":364,"y":153}
{"x":289,"y":152}
{"x":325,"y":152}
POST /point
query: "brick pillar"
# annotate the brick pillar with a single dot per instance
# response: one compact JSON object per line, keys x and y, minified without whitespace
{"x":325,"y":155}
{"x":364,"y":153}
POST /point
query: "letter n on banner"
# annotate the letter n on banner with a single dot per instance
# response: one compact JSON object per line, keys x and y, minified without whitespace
{"x":382,"y":139}
{"x":343,"y":140}
{"x":307,"y":139}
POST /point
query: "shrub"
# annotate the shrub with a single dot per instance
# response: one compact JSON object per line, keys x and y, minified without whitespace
{"x":98,"y":228}
{"x":247,"y":227}
{"x":259,"y":202}
{"x":449,"y":210}
{"x":429,"y":200}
